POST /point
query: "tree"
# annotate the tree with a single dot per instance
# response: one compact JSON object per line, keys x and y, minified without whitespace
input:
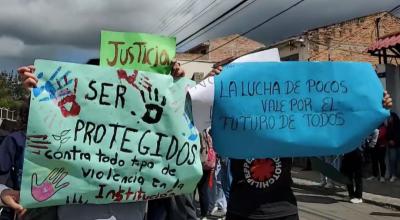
{"x":12,"y":92}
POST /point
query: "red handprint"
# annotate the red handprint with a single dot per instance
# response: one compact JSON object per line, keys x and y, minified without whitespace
{"x":133,"y":79}
{"x":49,"y":186}
{"x":71,"y":98}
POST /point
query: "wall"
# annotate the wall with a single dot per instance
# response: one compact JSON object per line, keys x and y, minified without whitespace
{"x":292,"y":48}
{"x":349,"y":40}
{"x":191,"y":56}
{"x":393,"y":85}
{"x":239,"y":46}
{"x":196,"y":66}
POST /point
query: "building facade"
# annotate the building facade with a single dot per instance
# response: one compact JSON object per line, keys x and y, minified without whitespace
{"x":348,"y":41}
{"x":344,"y":41}
{"x":206,"y":53}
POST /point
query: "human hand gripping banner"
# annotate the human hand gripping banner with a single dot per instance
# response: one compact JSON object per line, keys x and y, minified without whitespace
{"x":291,"y":109}
{"x":101,"y":135}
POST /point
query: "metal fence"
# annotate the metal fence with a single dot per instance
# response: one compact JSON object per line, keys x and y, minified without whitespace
{"x":7,"y":114}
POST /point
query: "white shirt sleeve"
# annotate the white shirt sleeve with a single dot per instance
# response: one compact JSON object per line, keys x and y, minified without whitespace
{"x":2,"y":188}
{"x":374,"y":138}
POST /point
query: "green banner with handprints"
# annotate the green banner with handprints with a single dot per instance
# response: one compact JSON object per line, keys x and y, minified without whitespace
{"x":141,"y":51}
{"x":104,"y":135}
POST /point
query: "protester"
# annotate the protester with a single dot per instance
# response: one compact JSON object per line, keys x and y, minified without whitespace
{"x":393,"y":138}
{"x":87,"y":211}
{"x":352,"y":168}
{"x":261,"y":188}
{"x":212,"y":197}
{"x":206,"y":186}
{"x":378,"y":153}
{"x":227,"y":178}
{"x":220,"y":205}
{"x":11,"y":161}
{"x":206,"y":189}
{"x":251,"y":182}
{"x":252,"y":196}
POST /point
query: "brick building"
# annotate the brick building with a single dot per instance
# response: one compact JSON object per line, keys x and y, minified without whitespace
{"x":347,"y":40}
{"x":240,"y":46}
{"x":344,"y":41}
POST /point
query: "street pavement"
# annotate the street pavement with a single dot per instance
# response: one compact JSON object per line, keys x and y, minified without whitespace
{"x":374,"y":192}
{"x":315,"y":204}
{"x":381,"y":200}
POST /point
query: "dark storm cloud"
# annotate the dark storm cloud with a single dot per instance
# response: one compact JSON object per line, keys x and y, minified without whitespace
{"x":70,"y":30}
{"x":74,"y":22}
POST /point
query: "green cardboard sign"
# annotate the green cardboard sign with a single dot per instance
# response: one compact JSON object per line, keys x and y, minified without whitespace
{"x":141,"y":51}
{"x":104,"y":135}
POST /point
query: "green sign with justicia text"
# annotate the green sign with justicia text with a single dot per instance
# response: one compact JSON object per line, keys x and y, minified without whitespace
{"x":141,"y":51}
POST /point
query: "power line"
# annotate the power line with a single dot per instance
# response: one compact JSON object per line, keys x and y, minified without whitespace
{"x":213,"y":21}
{"x":395,"y":8}
{"x":190,"y":21}
{"x":170,"y":15}
{"x":395,"y":12}
{"x":183,"y":10}
{"x":166,"y":16}
{"x":354,"y":33}
{"x":251,"y":29}
{"x":223,"y":20}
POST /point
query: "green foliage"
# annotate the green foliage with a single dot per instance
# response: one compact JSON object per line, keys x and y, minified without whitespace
{"x":11,"y":91}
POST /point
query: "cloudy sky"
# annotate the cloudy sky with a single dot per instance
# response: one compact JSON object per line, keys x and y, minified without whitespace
{"x":69,"y":30}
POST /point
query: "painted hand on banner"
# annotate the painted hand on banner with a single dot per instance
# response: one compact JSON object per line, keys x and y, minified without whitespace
{"x":55,"y":87}
{"x":58,"y":89}
{"x":49,"y":186}
{"x":154,"y":108}
{"x":134,"y":80}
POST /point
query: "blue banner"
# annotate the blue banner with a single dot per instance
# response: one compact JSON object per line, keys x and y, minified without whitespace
{"x":292,"y":109}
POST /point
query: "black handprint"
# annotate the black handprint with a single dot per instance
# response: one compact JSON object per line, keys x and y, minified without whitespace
{"x":153,"y":110}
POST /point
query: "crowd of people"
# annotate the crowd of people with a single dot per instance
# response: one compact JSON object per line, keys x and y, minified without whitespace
{"x":238,"y":188}
{"x":378,"y":156}
{"x":386,"y":148}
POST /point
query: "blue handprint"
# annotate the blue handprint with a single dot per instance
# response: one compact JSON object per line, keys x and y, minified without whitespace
{"x":56,"y":88}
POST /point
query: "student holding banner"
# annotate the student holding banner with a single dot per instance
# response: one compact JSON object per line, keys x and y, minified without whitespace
{"x":10,"y":197}
{"x":11,"y":161}
{"x":261,"y":188}
{"x":264,"y":184}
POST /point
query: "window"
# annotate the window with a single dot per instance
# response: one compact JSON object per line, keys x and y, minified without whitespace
{"x":293,"y":57}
